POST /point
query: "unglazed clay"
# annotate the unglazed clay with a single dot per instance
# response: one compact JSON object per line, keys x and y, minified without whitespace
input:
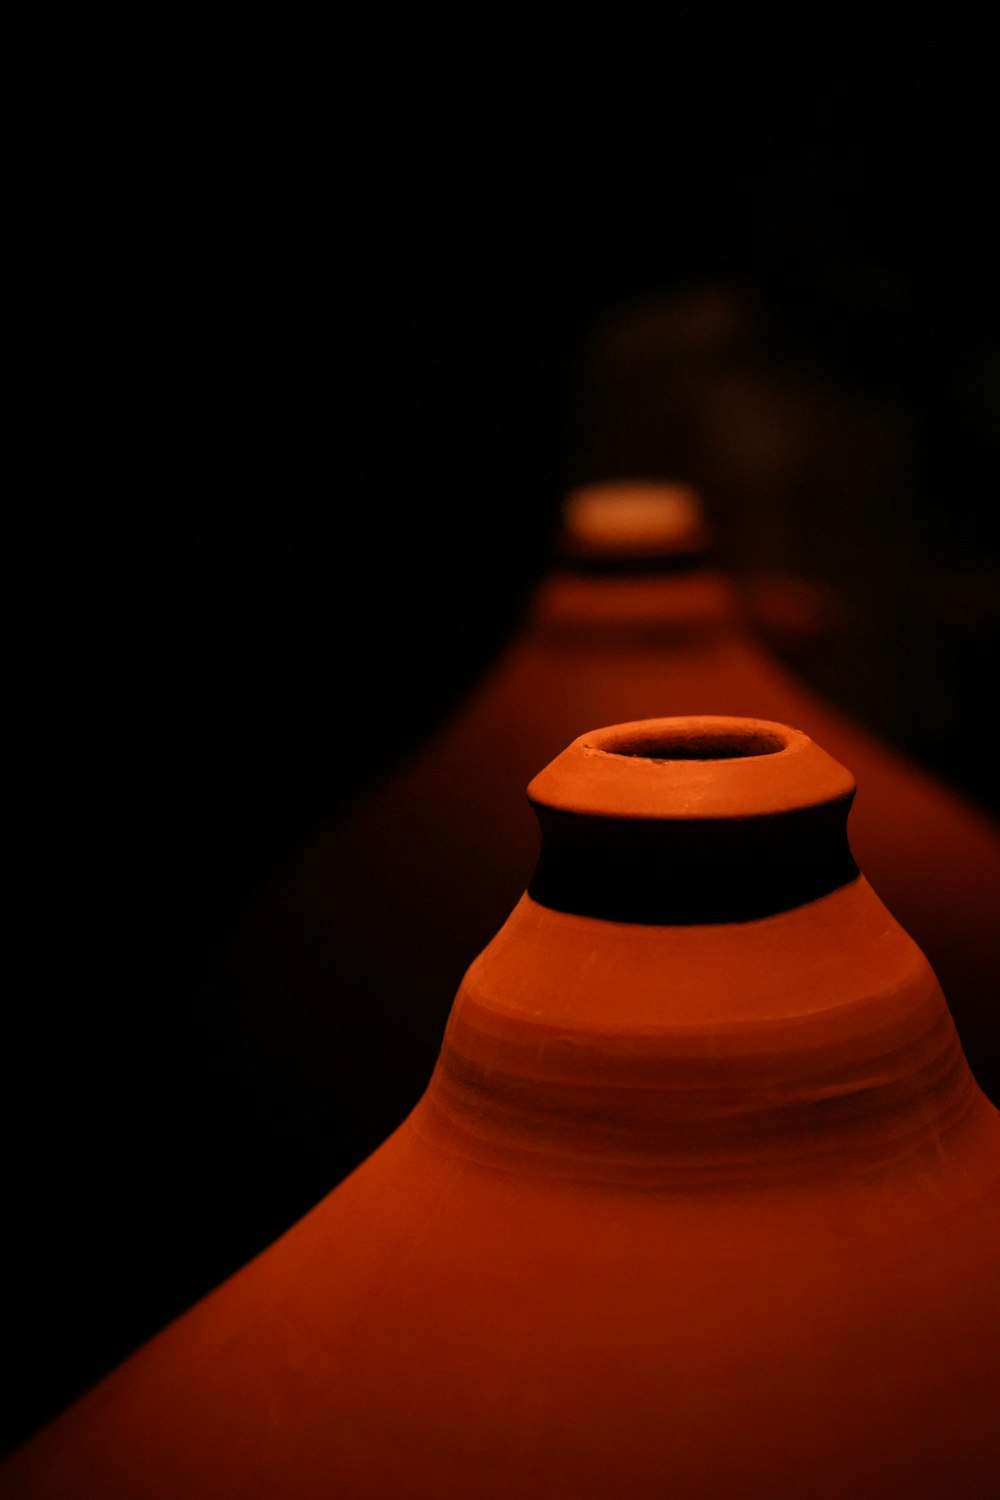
{"x":344,"y":970}
{"x":701,"y":1200}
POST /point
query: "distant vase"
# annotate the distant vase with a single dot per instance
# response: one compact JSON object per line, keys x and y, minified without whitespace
{"x":701,"y":1200}
{"x":342,"y":972}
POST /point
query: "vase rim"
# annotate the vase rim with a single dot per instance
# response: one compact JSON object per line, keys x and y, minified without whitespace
{"x":633,"y":519}
{"x":691,"y":768}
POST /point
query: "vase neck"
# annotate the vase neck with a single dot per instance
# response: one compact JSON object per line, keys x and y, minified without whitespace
{"x":699,"y":987}
{"x":685,"y":821}
{"x":693,"y":871}
{"x":604,"y":608}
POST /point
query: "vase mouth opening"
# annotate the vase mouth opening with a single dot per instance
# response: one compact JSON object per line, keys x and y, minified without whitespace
{"x":680,"y":741}
{"x":699,"y":767}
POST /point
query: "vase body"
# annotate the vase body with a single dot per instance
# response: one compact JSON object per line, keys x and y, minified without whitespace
{"x":701,"y":1198}
{"x":344,"y":969}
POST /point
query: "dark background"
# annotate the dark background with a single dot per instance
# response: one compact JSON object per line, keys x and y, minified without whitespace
{"x":310,"y":362}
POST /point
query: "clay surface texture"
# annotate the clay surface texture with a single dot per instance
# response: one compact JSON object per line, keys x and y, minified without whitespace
{"x":701,"y":1200}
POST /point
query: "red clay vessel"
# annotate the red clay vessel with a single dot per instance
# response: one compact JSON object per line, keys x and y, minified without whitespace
{"x":701,"y":1200}
{"x":344,"y":969}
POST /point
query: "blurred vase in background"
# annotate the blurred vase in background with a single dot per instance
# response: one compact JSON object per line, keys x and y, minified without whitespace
{"x":842,"y":435}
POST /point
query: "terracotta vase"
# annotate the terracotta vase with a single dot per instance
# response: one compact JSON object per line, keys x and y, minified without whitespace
{"x":702,"y":1198}
{"x":342,"y":973}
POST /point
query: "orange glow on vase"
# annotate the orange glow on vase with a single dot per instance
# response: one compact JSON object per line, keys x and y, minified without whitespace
{"x":344,"y":969}
{"x":701,"y":1199}
{"x":632,"y":521}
